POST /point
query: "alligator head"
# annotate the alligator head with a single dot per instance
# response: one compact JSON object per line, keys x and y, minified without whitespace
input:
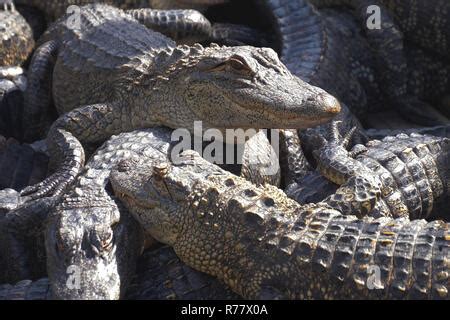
{"x":91,"y":251}
{"x":157,"y":189}
{"x":235,"y":87}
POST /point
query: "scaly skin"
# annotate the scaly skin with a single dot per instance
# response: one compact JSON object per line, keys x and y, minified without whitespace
{"x":160,"y":276}
{"x":264,"y":245}
{"x":311,"y":48}
{"x":22,"y":253}
{"x":26,"y":290}
{"x":16,"y":38}
{"x":123,"y":74}
{"x":260,"y":161}
{"x":438,"y":131}
{"x":405,"y":175}
{"x":82,"y":211}
{"x":56,"y":8}
{"x":423,"y":23}
{"x":327,"y":49}
{"x":77,"y":228}
{"x":78,"y":231}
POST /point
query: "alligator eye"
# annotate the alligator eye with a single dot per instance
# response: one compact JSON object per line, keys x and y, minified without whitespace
{"x":234,"y":63}
{"x":107,"y":243}
{"x":124,"y":166}
{"x":239,"y":64}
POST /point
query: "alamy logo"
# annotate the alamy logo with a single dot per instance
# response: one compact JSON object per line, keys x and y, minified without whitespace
{"x":74,"y":279}
{"x":374,"y":19}
{"x":210,"y":145}
{"x":74,"y":19}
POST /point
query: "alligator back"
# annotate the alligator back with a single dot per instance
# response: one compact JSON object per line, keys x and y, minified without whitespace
{"x":107,"y":47}
{"x":311,"y":47}
{"x":16,"y":41}
{"x":425,"y":23}
{"x":414,"y":168}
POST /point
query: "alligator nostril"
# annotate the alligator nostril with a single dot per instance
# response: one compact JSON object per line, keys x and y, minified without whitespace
{"x":124,"y":165}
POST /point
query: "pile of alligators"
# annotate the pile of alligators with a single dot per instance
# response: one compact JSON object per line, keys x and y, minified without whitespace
{"x":352,"y":121}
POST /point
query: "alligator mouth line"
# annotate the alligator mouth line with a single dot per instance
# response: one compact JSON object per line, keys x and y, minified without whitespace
{"x":292,"y":121}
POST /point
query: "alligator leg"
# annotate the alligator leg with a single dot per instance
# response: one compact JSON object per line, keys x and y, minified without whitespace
{"x":391,"y":60}
{"x":260,"y":164}
{"x":301,"y":182}
{"x":67,"y":153}
{"x":293,"y":163}
{"x":188,"y":26}
{"x":360,"y":188}
{"x":38,"y":95}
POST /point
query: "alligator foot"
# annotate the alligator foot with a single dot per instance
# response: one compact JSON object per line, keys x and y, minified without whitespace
{"x":53,"y":185}
{"x":360,"y":187}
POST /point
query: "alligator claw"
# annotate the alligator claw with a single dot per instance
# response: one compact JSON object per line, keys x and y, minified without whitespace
{"x":337,"y":138}
{"x":52,"y":186}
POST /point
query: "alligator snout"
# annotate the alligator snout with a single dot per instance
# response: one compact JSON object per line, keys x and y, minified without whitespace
{"x":329,"y":104}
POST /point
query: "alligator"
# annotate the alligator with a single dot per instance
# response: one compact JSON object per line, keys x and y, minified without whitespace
{"x":81,"y":211}
{"x":422,"y":23}
{"x":438,"y":131}
{"x":54,"y":9}
{"x":109,"y":93}
{"x":402,"y":175}
{"x":326,"y":48}
{"x":160,"y":276}
{"x":87,"y":209}
{"x":311,"y":48}
{"x":186,"y":25}
{"x":17,"y":40}
{"x":302,"y":182}
{"x":89,"y":225}
{"x":264,"y":245}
